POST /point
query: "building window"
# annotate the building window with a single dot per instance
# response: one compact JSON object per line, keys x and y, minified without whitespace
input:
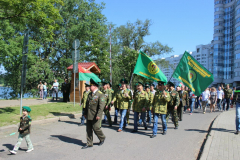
{"x":198,"y":49}
{"x":238,"y":56}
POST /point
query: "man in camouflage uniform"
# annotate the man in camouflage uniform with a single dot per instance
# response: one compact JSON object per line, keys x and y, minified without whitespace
{"x":173,"y":104}
{"x":160,"y":102}
{"x":84,"y":101}
{"x":140,"y":105}
{"x":149,"y":108}
{"x":183,"y":95}
{"x":228,"y":94}
{"x":130,"y":104}
{"x":116,"y":103}
{"x":93,"y":112}
{"x":108,"y":96}
{"x":123,"y":98}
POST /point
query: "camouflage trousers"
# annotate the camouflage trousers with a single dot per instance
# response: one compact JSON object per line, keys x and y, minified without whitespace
{"x":173,"y":112}
{"x":28,"y":141}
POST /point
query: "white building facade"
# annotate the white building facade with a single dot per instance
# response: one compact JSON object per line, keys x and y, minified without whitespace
{"x":203,"y":54}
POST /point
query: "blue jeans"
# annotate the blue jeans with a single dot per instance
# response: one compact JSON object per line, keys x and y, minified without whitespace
{"x":44,"y":94}
{"x":104,"y":119}
{"x":227,"y":100}
{"x":219,"y":101}
{"x":123,"y":122}
{"x":149,"y":117}
{"x":83,"y":118}
{"x":191,"y":106}
{"x":184,"y":108}
{"x":116,"y":115}
{"x":198,"y":103}
{"x":155,"y":125}
{"x":143,"y":117}
{"x":238,"y":116}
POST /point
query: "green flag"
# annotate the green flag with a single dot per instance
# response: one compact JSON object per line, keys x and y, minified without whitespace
{"x":193,"y":74}
{"x":147,"y":68}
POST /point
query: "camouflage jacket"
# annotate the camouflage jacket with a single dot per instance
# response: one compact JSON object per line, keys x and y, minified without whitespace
{"x":84,"y":99}
{"x":175,"y":100}
{"x":122,"y":99}
{"x":95,"y":105}
{"x":150,"y":101}
{"x":183,"y":98}
{"x":25,"y":125}
{"x":108,"y":96}
{"x":160,"y":102}
{"x":141,"y":101}
{"x":227,"y":93}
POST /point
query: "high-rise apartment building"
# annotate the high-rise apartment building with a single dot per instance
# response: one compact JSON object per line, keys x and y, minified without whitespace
{"x":226,"y":55}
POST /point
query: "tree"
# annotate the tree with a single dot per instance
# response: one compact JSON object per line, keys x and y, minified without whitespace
{"x":128,"y":40}
{"x":48,"y":58}
{"x":39,"y":13}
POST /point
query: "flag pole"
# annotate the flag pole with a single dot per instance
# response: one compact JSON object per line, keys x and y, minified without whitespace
{"x":110,"y":55}
{"x":131,"y":80}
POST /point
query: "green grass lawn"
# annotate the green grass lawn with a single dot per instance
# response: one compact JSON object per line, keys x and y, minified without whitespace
{"x":10,"y":115}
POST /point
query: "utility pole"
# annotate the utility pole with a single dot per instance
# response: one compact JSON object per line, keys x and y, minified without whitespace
{"x":24,"y":67}
{"x":110,"y":55}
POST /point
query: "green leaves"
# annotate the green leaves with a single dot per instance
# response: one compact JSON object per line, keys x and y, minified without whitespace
{"x":38,"y":13}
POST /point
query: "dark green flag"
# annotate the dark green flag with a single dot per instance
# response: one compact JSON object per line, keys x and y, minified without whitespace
{"x":193,"y":74}
{"x":147,"y":68}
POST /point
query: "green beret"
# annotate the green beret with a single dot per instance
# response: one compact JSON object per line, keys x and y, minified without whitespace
{"x":119,"y":85}
{"x":123,"y":81}
{"x":161,"y":83}
{"x":93,"y":83}
{"x":171,"y":84}
{"x":26,"y":108}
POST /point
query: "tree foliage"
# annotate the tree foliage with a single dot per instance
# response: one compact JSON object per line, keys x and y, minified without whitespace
{"x":39,"y":13}
{"x":48,"y":58}
{"x":128,"y":40}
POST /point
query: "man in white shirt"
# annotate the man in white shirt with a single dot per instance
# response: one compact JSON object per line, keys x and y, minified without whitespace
{"x":220,"y":96}
{"x":55,"y":89}
{"x":205,"y":96}
{"x":152,"y":90}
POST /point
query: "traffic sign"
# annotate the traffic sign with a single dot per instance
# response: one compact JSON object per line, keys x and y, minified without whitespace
{"x":76,"y":44}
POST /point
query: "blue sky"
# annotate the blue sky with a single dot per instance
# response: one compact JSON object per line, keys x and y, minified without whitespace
{"x":181,"y":24}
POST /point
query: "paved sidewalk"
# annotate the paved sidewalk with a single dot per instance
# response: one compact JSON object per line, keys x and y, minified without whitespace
{"x":26,"y":102}
{"x":222,"y":143}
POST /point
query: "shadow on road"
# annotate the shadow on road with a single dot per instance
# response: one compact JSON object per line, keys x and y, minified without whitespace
{"x":63,"y":114}
{"x":71,"y":122}
{"x":69,"y":140}
{"x":215,"y":129}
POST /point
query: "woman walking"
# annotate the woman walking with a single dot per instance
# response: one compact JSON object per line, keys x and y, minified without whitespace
{"x":213,"y":99}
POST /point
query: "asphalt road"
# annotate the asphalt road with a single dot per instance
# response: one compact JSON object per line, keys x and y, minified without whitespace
{"x":64,"y":139}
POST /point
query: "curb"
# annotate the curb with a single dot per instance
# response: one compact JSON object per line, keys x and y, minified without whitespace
{"x":59,"y":118}
{"x":209,"y":139}
{"x":72,"y":116}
